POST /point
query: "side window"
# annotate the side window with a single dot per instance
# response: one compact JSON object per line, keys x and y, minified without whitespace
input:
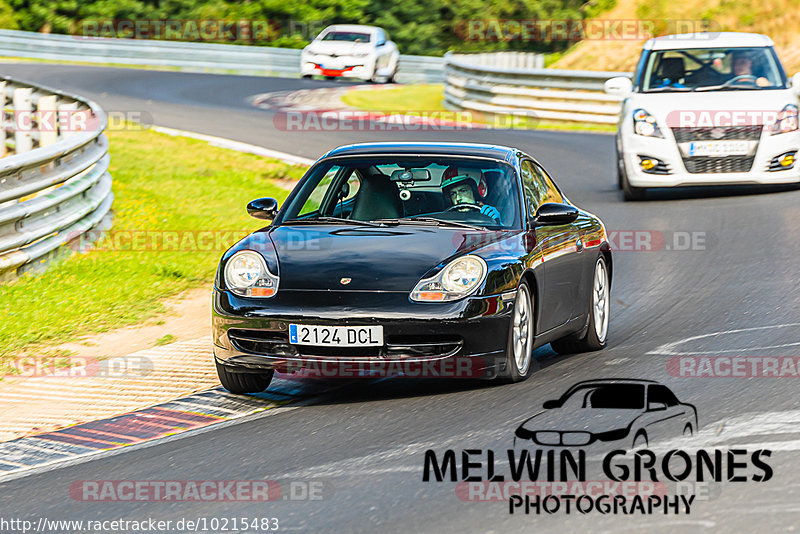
{"x":316,"y":197}
{"x":662,"y":394}
{"x":530,"y":186}
{"x":352,"y":187}
{"x":551,"y":192}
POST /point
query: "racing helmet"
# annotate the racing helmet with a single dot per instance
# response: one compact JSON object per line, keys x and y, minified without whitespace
{"x":454,"y":176}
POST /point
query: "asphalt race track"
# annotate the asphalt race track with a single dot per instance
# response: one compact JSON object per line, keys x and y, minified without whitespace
{"x":736,"y":294}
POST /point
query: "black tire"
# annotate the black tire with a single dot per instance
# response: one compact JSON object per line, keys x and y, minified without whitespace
{"x":243,"y":382}
{"x":307,"y":76}
{"x":512,"y":371}
{"x":619,"y":165}
{"x":330,"y":78}
{"x":592,"y":340}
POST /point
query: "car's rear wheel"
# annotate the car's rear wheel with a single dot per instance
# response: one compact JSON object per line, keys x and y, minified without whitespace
{"x":243,"y":382}
{"x":519,"y":357}
{"x":599,"y":308}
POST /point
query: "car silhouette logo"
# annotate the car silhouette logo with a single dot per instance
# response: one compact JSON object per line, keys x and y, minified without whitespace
{"x":633,"y":413}
{"x":345,"y":281}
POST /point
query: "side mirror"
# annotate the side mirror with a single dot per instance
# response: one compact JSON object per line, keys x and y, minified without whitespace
{"x":796,"y":83}
{"x":553,"y":213}
{"x":656,"y":406}
{"x":549,"y":405}
{"x":263,"y":208}
{"x":619,"y":86}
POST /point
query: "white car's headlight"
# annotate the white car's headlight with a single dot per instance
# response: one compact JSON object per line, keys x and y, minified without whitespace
{"x":786,"y":121}
{"x":457,"y":280}
{"x":247,"y":275}
{"x":645,"y":124}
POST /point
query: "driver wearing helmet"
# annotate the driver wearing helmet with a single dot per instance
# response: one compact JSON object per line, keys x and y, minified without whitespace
{"x":742,"y":69}
{"x":467,"y":187}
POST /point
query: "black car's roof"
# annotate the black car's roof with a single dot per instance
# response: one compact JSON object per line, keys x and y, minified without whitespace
{"x":500,"y":153}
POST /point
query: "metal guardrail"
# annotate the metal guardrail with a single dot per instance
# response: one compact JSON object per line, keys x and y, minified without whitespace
{"x":54,"y":184}
{"x":493,"y":87}
{"x":189,"y":56}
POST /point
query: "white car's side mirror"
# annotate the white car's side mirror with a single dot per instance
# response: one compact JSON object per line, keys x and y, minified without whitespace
{"x":619,"y":86}
{"x":796,"y":83}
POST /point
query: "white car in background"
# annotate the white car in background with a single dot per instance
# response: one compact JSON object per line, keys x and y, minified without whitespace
{"x":351,"y":51}
{"x":706,"y":109}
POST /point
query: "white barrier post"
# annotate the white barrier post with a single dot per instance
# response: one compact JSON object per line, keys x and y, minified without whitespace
{"x":23,"y":119}
{"x":3,"y":147}
{"x":47,"y":120}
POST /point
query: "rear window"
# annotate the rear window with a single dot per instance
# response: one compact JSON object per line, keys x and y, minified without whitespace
{"x":351,"y":37}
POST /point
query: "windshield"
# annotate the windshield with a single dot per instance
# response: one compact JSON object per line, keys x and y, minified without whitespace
{"x":607,"y":396}
{"x":477,"y":192}
{"x":712,"y":69}
{"x":352,"y":37}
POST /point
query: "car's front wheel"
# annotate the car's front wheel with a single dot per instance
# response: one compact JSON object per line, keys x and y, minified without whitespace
{"x":519,"y":357}
{"x":243,"y":382}
{"x":629,"y":192}
{"x":599,"y":308}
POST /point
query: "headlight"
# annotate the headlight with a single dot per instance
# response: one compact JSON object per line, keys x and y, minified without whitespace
{"x":457,"y":280}
{"x":247,"y":275}
{"x":787,"y":120}
{"x":645,"y":124}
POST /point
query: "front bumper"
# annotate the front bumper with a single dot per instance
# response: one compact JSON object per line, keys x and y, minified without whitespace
{"x":360,"y":68}
{"x":252,"y":335}
{"x":666,"y":149}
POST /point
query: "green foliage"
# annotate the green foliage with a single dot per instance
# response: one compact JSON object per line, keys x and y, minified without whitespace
{"x":425,"y":27}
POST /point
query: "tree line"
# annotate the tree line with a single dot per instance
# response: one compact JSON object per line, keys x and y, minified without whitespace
{"x":424,"y":27}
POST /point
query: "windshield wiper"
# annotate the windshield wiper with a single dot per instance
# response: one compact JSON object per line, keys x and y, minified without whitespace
{"x":433,"y":221}
{"x":667,"y":89}
{"x":339,"y":220}
{"x":728,"y":87}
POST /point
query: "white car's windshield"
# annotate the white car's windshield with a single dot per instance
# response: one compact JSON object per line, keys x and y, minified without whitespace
{"x":712,"y":69}
{"x":350,"y":37}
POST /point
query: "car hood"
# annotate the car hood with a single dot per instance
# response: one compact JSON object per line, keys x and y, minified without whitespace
{"x":375,"y":259}
{"x":666,"y":107}
{"x":340,"y":48}
{"x":593,"y":420}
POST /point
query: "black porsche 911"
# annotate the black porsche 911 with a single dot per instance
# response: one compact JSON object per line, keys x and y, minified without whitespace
{"x":412,"y":253}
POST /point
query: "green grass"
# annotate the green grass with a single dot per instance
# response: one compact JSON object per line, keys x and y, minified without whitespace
{"x":163,"y":185}
{"x":427,"y":98}
{"x":165,"y":340}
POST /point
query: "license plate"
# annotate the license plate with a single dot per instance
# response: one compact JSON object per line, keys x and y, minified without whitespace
{"x":719,"y":148}
{"x":336,"y":336}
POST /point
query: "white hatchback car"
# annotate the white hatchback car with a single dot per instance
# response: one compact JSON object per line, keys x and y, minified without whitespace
{"x":706,"y":109}
{"x":351,"y":51}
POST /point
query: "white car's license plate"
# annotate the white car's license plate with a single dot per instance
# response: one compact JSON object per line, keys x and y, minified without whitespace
{"x":336,"y":336}
{"x":719,"y":148}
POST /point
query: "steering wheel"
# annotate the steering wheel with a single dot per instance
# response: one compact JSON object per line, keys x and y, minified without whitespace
{"x":463,"y":207}
{"x":747,"y":78}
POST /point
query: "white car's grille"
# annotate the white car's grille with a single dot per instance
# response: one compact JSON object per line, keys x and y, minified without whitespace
{"x":747,"y":133}
{"x":723,"y":164}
